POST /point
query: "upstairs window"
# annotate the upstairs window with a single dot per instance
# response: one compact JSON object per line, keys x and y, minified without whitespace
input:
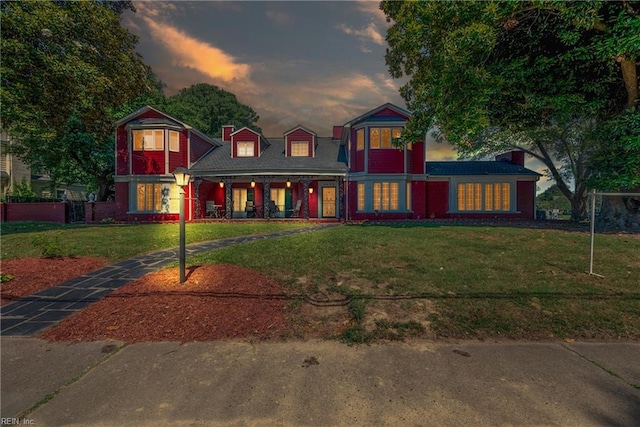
{"x":382,"y":138}
{"x":300,"y":149}
{"x":245,"y":149}
{"x":174,"y":141}
{"x":148,"y":140}
{"x":360,"y":139}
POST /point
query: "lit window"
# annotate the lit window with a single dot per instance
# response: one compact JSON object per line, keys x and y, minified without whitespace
{"x":360,"y":139}
{"x":360,"y":196}
{"x":383,"y":137}
{"x":408,"y":196}
{"x":386,"y":137}
{"x":374,"y":138}
{"x":174,"y":141}
{"x":385,"y":196}
{"x":148,"y":140}
{"x":300,"y":149}
{"x":487,"y":197}
{"x":246,"y":149}
{"x":156,"y":197}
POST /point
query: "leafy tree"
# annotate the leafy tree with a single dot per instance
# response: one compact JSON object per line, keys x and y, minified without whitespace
{"x":66,"y":68}
{"x":207,"y":108}
{"x":543,"y":76}
{"x":552,"y":198}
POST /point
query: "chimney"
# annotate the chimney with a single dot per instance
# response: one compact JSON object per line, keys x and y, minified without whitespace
{"x":515,"y":156}
{"x":227,"y":130}
{"x":337,"y":132}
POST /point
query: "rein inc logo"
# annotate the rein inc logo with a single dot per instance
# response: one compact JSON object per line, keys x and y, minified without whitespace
{"x":16,"y":421}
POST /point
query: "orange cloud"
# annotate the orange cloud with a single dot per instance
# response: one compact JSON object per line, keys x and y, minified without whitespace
{"x":190,"y":52}
{"x":370,"y":33}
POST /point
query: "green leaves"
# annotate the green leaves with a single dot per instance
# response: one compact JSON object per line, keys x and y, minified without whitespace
{"x":66,"y":66}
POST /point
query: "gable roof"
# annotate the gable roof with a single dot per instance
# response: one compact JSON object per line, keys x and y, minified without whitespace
{"x":309,"y":131}
{"x":477,"y":167}
{"x":329,"y":160}
{"x":368,"y":114}
{"x":167,"y":121}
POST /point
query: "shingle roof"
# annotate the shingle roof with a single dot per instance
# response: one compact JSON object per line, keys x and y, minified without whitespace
{"x":476,"y":168}
{"x":329,"y":159}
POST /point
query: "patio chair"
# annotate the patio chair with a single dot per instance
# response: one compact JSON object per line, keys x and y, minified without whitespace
{"x":250,"y":209}
{"x":295,"y":212}
{"x":273,"y":209}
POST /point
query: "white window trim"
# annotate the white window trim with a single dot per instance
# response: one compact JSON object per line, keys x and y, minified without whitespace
{"x":244,"y":152}
{"x":299,"y":144}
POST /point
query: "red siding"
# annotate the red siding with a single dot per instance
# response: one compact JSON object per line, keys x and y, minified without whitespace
{"x":526,"y":191}
{"x":437,"y":198}
{"x":199,"y":147}
{"x":386,"y":161}
{"x":313,"y":200}
{"x":245,"y":136}
{"x":148,"y":163}
{"x":300,"y":135}
{"x":418,"y":199}
{"x":417,"y":158}
{"x":122,"y":200}
{"x":122,"y":151}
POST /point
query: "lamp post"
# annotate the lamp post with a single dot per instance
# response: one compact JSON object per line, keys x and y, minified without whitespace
{"x":182,"y":177}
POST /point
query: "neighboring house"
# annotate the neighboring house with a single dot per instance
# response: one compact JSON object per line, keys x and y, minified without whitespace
{"x":355,"y":174}
{"x":14,"y":171}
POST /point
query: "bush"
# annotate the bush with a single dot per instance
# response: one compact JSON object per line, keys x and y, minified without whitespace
{"x":50,"y":247}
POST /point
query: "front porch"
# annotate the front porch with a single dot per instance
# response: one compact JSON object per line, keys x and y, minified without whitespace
{"x":268,"y":197}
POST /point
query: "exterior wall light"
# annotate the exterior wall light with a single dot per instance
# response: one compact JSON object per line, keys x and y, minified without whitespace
{"x":253,"y":184}
{"x":288,"y":184}
{"x":310,"y":190}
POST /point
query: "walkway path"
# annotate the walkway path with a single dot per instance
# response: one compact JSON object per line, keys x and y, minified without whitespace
{"x":32,"y":314}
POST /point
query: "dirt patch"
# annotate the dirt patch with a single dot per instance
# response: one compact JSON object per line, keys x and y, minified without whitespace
{"x":216,"y":302}
{"x":398,"y":311}
{"x":31,"y":275}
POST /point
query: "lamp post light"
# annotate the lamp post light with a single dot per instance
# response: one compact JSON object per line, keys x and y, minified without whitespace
{"x":182,"y":177}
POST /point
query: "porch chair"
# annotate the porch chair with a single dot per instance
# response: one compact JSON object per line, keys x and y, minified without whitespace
{"x":211,"y":210}
{"x":295,"y":212}
{"x":273,"y":209}
{"x":250,"y":209}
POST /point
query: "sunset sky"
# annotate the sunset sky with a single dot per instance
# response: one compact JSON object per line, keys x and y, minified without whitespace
{"x":315,"y":63}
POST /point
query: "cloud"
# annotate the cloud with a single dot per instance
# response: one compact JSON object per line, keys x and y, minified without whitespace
{"x":370,"y":33}
{"x":280,"y":18}
{"x":372,"y":8}
{"x":189,"y":52}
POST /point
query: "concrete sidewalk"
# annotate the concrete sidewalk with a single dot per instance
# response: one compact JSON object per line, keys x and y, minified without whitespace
{"x":320,"y":383}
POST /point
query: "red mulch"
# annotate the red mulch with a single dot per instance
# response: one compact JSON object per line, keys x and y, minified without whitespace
{"x":216,"y":302}
{"x":32,"y":275}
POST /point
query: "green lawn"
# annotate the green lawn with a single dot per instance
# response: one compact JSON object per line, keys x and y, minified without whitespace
{"x":117,"y":242}
{"x":462,"y":281}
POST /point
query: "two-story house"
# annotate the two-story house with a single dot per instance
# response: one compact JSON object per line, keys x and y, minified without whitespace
{"x":356,"y":173}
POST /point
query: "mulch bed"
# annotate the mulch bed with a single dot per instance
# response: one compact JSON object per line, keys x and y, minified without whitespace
{"x":216,"y":302}
{"x":31,"y":275}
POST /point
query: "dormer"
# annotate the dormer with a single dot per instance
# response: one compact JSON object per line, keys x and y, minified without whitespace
{"x":247,"y":142}
{"x":300,"y":142}
{"x":227,"y":130}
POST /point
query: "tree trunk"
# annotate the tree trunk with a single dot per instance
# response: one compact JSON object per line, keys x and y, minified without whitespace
{"x":620,"y":212}
{"x":103,"y":190}
{"x":578,"y":207}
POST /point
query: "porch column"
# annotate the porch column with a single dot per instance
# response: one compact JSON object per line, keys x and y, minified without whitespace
{"x":305,"y":197}
{"x":196,"y":189}
{"x":228,"y":199}
{"x":266,"y":196}
{"x":340,"y":195}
